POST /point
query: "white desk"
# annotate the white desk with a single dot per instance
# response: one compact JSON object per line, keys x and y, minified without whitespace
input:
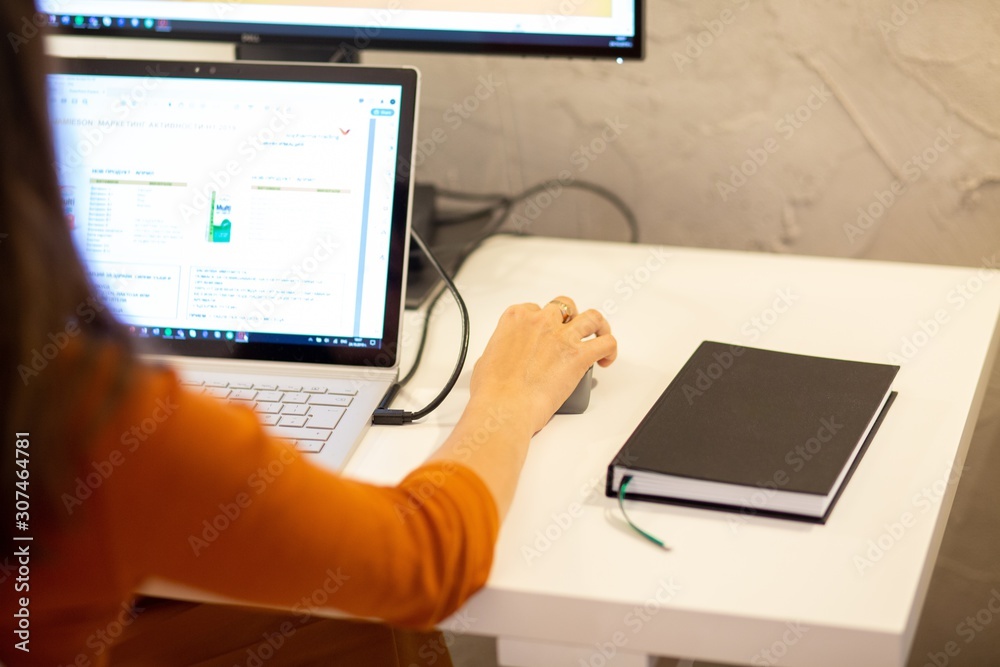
{"x":570,"y":585}
{"x":734,"y":587}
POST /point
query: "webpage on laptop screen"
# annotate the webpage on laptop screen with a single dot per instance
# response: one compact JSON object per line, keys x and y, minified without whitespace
{"x":231,"y":208}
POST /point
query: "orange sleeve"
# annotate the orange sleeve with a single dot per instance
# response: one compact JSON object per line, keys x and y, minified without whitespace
{"x":204,"y":497}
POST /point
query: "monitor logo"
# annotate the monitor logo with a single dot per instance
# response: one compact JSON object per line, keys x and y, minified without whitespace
{"x":250,"y":38}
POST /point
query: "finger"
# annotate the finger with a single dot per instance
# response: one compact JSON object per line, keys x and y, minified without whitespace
{"x":603,"y":349}
{"x":591,"y":322}
{"x":557,"y":305}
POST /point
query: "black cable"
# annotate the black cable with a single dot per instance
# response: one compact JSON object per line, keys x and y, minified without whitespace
{"x":601,"y":191}
{"x":459,"y":218}
{"x":501,"y":209}
{"x":398,"y":417}
{"x":468,"y":196}
{"x":510,"y":201}
{"x":423,"y":341}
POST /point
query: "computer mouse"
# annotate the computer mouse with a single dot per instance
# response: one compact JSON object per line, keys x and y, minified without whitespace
{"x":580,"y":398}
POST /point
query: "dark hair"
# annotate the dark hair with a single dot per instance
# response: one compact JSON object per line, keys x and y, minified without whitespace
{"x":47,"y":302}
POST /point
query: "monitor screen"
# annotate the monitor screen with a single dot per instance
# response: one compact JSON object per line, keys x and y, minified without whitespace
{"x":592,"y":28}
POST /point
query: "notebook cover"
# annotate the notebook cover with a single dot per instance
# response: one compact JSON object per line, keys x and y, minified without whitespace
{"x":754,"y":511}
{"x":740,"y":415}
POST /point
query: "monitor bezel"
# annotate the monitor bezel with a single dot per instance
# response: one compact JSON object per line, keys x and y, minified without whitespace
{"x":333,"y":38}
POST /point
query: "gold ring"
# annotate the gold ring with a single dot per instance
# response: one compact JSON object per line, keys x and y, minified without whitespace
{"x":564,"y":309}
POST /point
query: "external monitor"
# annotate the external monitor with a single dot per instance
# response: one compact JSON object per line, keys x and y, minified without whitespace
{"x":608,"y":29}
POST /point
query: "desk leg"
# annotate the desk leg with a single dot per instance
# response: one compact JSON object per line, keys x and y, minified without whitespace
{"x":525,"y":653}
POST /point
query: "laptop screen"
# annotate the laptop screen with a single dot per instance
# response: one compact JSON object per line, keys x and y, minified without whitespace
{"x":240,"y":210}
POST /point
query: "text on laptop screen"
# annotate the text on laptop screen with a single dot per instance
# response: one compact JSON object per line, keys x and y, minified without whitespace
{"x":253,"y":211}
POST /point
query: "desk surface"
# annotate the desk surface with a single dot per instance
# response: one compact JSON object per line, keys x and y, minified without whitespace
{"x":735,"y":588}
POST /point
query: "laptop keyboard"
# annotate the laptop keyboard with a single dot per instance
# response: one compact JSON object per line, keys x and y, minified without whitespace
{"x":304,"y":415}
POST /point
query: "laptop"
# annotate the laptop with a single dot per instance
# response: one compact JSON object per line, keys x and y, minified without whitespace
{"x":249,"y":222}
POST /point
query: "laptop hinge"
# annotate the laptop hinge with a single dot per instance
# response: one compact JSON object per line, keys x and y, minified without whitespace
{"x":276,"y":368}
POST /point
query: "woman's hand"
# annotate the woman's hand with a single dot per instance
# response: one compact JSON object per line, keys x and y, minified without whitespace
{"x":537,"y":356}
{"x":533,"y":362}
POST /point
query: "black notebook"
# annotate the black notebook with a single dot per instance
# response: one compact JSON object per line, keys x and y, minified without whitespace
{"x":756,"y":431}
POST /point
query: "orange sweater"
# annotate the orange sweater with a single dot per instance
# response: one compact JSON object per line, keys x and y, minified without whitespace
{"x":184,"y":488}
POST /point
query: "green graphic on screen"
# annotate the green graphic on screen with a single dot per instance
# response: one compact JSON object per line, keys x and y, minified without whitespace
{"x":219,"y":223}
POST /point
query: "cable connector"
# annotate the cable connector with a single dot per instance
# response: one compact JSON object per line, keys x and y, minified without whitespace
{"x":388,"y":417}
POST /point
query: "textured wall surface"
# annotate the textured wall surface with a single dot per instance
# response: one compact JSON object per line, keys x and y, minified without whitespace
{"x":751,"y":124}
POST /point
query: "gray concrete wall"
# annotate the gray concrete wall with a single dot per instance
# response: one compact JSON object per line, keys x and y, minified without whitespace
{"x":751,"y":125}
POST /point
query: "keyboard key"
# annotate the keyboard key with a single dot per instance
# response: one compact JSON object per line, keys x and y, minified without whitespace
{"x":309,"y":446}
{"x":292,"y":420}
{"x":269,"y":420}
{"x":345,"y":390}
{"x":295,"y":397}
{"x":268,"y":408}
{"x":297,"y":409}
{"x":289,"y":387}
{"x":293,"y":433}
{"x":331,"y":399}
{"x":315,"y":389}
{"x":243,"y":394}
{"x":216,"y":383}
{"x":193,"y":383}
{"x":265,"y":387}
{"x":324,"y":417}
{"x":269,"y":396}
{"x":218,"y":392}
{"x":241,"y":385}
